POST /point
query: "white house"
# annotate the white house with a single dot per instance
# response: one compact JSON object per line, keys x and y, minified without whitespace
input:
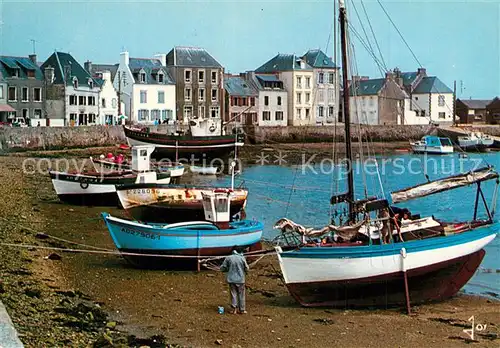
{"x":297,"y":78}
{"x":104,"y":74}
{"x":272,"y":101}
{"x":146,"y":89}
{"x":326,"y":88}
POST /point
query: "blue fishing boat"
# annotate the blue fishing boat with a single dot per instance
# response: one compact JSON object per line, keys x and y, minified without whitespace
{"x":159,"y":245}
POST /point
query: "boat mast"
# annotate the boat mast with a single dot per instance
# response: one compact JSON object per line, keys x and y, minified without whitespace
{"x":347,"y":121}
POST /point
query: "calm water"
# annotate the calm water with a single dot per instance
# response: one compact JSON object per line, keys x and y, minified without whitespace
{"x":302,"y":193}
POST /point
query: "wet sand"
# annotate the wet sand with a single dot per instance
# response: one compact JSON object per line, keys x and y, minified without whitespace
{"x":182,"y":306}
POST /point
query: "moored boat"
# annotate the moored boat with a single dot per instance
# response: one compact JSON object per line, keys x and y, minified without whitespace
{"x":99,"y":188}
{"x":203,"y":170}
{"x":172,"y":203}
{"x":475,"y":141}
{"x":163,"y":245}
{"x":432,"y":145}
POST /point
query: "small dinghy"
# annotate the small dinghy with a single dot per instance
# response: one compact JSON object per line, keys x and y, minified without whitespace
{"x":155,"y":245}
{"x":203,"y":170}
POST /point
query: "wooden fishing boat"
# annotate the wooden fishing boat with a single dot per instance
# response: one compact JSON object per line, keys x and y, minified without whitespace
{"x":171,"y":203}
{"x":99,"y":188}
{"x":374,"y":259}
{"x":184,"y":146}
{"x":161,"y":245}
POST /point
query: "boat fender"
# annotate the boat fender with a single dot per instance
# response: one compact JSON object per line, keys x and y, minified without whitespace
{"x":84,"y":185}
{"x":212,"y":128}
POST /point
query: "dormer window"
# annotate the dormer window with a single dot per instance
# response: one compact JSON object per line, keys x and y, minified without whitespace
{"x":161,"y":77}
{"x":142,"y":77}
{"x":75,"y":83}
{"x":91,"y":83}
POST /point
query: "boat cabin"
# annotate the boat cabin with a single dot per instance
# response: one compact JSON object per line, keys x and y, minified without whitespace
{"x":216,"y":205}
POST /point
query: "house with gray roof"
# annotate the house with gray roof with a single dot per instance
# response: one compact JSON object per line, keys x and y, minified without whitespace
{"x":104,"y":74}
{"x":326,"y":87}
{"x":21,"y":90}
{"x":199,"y":81}
{"x":430,"y":97}
{"x":473,"y":110}
{"x":297,"y":77}
{"x":146,"y":89}
{"x":72,"y":93}
{"x":241,"y":100}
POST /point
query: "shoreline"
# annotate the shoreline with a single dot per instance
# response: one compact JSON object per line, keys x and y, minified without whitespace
{"x":50,"y":298}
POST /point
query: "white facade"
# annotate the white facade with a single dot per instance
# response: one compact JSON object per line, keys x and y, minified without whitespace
{"x":364,"y":109}
{"x":326,"y":95}
{"x":299,"y":85}
{"x":433,"y":107}
{"x":273,"y":108}
{"x":144,"y":103}
{"x":108,"y":102}
{"x":82,"y":104}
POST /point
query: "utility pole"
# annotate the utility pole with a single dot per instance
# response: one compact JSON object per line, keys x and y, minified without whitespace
{"x":119,"y":95}
{"x":454,"y":101}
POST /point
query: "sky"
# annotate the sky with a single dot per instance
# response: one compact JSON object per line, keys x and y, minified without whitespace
{"x":454,"y":40}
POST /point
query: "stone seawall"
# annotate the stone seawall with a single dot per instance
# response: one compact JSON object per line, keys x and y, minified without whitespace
{"x":261,"y":135}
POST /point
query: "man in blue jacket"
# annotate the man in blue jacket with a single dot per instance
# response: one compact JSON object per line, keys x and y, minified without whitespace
{"x":236,"y":267}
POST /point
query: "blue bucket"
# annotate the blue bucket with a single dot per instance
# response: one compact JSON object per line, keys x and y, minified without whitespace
{"x":220,"y":310}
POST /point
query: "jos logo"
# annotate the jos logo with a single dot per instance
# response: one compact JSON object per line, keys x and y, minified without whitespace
{"x":475,"y":327}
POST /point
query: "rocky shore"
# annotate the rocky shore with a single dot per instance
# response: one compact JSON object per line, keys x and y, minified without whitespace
{"x":61,"y":298}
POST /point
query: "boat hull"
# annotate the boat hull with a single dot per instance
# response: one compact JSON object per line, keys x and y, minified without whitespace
{"x":372,"y":276}
{"x":169,"y":204}
{"x":435,"y":150}
{"x":158,"y":247}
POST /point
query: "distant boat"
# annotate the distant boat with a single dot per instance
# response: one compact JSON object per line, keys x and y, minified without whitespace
{"x":156,"y":245}
{"x":203,"y":170}
{"x":199,"y":144}
{"x":433,"y":145}
{"x":475,"y":141}
{"x":171,"y":203}
{"x":95,"y":188}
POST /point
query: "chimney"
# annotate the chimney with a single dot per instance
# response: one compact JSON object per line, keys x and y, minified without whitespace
{"x":422,"y":71}
{"x":389,"y":75}
{"x":49,"y":74}
{"x":32,"y":57}
{"x":88,"y":66}
{"x":124,"y":58}
{"x":162,"y":58}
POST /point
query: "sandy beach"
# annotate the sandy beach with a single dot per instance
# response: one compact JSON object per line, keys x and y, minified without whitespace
{"x":60,"y":298}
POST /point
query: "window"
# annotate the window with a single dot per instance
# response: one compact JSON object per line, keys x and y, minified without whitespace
{"x":416,"y":98}
{"x":82,"y":119}
{"x":478,"y":117}
{"x":155,"y":115}
{"x":143,"y":115}
{"x":72,"y":100}
{"x":1,"y":92}
{"x":441,"y":100}
{"x":308,"y":97}
{"x":331,"y":111}
{"x":37,"y":113}
{"x":201,"y":76}
{"x":91,"y":85}
{"x":24,"y":94}
{"x":278,"y":115}
{"x":299,"y":82}
{"x":187,"y":94}
{"x":252,"y":101}
{"x":161,"y":77}
{"x":331,"y":78}
{"x":321,"y":77}
{"x":72,"y":119}
{"x":75,"y":83}
{"x":187,"y":76}
{"x":299,"y":113}
{"x":166,"y":114}
{"x":201,"y":111}
{"x":214,"y":111}
{"x":422,"y":113}
{"x":214,"y":94}
{"x":103,"y":102}
{"x":331,"y":96}
{"x":82,"y":100}
{"x":26,"y":113}
{"x":142,"y":77}
{"x":214,"y":76}
{"x":91,"y":100}
{"x":299,"y":98}
{"x":321,"y":96}
{"x":266,"y":115}
{"x":92,"y":118}
{"x":266,"y":100}
{"x":442,"y":115}
{"x":143,"y":97}
{"x":308,"y":113}
{"x":201,"y":94}
{"x":308,"y":82}
{"x":321,"y":111}
{"x":279,"y":100}
{"x":188,"y":112}
{"x":12,"y":94}
{"x":161,"y":97}
{"x":114,"y":103}
{"x":244,"y":101}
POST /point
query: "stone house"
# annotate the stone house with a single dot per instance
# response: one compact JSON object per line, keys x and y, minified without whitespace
{"x":472,"y":110}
